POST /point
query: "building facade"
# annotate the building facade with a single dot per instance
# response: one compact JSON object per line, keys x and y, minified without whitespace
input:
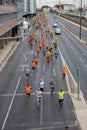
{"x":29,"y":7}
{"x":68,"y":7}
{"x":10,"y":19}
{"x":32,"y":7}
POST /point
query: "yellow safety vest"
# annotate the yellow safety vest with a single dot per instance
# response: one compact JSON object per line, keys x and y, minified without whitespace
{"x":61,"y":95}
{"x":48,"y":53}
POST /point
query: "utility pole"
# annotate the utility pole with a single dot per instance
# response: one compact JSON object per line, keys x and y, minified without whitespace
{"x":78,"y":82}
{"x":80,"y":19}
{"x":74,"y":6}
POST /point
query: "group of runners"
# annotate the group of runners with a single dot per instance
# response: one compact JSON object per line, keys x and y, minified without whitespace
{"x":49,"y":50}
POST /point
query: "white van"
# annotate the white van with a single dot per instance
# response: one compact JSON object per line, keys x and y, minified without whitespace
{"x":57,"y":31}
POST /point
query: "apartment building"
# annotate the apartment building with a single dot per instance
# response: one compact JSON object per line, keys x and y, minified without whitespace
{"x":32,"y":7}
{"x":29,"y":8}
{"x":11,"y":12}
{"x":11,"y":17}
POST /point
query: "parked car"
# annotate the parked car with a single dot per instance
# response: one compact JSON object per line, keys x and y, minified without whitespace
{"x":57,"y":31}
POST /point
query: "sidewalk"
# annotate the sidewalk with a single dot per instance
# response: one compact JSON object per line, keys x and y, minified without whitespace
{"x":6,"y":52}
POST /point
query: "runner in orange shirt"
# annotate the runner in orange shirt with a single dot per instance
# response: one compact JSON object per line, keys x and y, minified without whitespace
{"x":64,"y":71}
{"x":40,"y":45}
{"x":28,"y":90}
{"x":46,"y":45}
{"x":38,"y":50}
{"x":36,"y":60}
{"x":33,"y":65}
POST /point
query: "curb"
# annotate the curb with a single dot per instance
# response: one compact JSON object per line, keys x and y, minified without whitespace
{"x":76,"y":37}
{"x":9,"y":54}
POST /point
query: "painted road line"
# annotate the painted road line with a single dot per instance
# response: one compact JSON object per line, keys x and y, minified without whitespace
{"x":81,"y":59}
{"x":41,"y":114}
{"x":25,"y":59}
{"x":85,"y":65}
{"x":4,"y":123}
{"x":23,"y":94}
{"x":43,"y":77}
{"x":22,"y":68}
{"x":75,"y":52}
{"x":53,"y":127}
{"x":72,"y":47}
{"x":43,"y":67}
{"x":25,"y":65}
{"x":54,"y":72}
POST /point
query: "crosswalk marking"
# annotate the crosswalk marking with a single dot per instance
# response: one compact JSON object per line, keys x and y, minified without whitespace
{"x":52,"y":127}
{"x":22,"y":94}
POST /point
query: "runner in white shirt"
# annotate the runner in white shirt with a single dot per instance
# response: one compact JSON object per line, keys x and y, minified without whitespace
{"x":27,"y":73}
{"x":42,"y":83}
{"x":38,"y":96}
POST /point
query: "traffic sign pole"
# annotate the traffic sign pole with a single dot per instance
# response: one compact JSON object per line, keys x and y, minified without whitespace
{"x":78,"y":82}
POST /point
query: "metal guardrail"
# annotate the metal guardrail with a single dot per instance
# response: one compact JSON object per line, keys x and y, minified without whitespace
{"x":9,"y":38}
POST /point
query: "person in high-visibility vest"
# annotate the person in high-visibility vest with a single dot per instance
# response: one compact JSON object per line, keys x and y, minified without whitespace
{"x":48,"y":53}
{"x":61,"y":96}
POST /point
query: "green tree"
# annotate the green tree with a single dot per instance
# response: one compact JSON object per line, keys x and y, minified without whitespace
{"x":80,"y":9}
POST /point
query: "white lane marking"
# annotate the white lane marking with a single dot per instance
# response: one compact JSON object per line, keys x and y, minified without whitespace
{"x":54,"y":72}
{"x":81,"y":59}
{"x":4,"y":123}
{"x":53,"y":127}
{"x":43,"y":67}
{"x":72,"y":47}
{"x":41,"y":114}
{"x":22,"y":68}
{"x":75,"y":52}
{"x":85,"y":65}
{"x":22,"y":94}
{"x":25,"y":59}
{"x":43,"y":77}
{"x":25,"y":65}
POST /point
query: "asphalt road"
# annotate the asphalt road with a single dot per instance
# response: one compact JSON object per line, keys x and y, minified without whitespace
{"x":74,"y":54}
{"x":15,"y":113}
{"x":72,"y":27}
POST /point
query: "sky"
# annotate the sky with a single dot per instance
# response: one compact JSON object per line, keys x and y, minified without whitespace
{"x":54,"y":2}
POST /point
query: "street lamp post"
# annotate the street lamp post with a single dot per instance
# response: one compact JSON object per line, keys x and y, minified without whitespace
{"x":78,"y":81}
{"x":80,"y":19}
